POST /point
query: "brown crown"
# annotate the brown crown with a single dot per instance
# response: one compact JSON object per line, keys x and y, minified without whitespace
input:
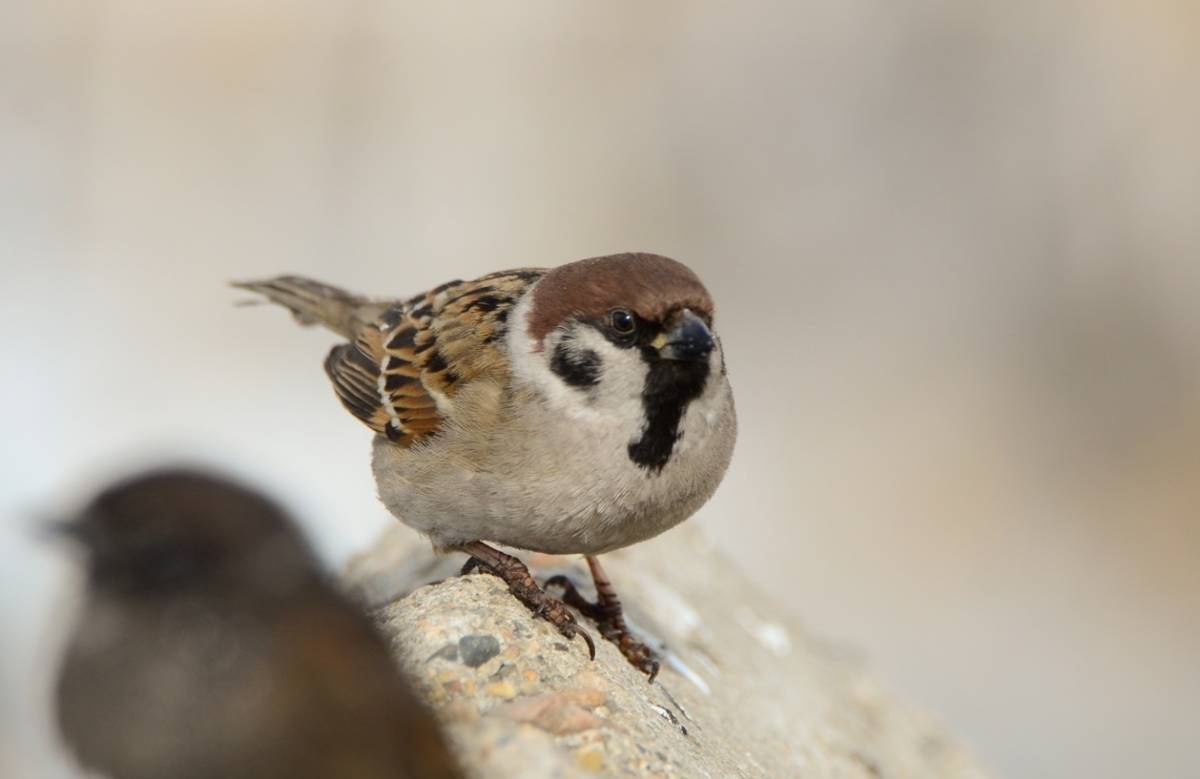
{"x":649,"y":285}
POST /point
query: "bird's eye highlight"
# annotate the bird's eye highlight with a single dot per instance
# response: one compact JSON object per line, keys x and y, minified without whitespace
{"x":622,"y":321}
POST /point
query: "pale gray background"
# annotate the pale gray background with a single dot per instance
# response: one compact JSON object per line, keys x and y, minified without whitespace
{"x":954,"y":248}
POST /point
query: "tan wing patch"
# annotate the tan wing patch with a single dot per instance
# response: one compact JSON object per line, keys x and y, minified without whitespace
{"x":401,"y":373}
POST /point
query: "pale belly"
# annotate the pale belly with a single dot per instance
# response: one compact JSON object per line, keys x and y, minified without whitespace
{"x":571,"y":489}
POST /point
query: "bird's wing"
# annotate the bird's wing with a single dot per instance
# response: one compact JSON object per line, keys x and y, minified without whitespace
{"x":401,"y":372}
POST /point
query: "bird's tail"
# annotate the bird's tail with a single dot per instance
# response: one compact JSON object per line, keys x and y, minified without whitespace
{"x":312,"y":302}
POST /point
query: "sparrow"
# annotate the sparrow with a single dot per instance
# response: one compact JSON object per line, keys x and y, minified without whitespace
{"x":572,"y":410}
{"x":210,"y":645}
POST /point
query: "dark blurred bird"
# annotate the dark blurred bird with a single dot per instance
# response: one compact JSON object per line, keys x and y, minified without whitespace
{"x":210,"y":645}
{"x":571,"y":410}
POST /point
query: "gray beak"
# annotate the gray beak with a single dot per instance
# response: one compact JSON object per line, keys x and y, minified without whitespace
{"x":689,"y":340}
{"x":58,"y":530}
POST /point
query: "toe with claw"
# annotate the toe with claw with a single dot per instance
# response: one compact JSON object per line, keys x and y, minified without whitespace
{"x":609,"y":617}
{"x":521,"y":584}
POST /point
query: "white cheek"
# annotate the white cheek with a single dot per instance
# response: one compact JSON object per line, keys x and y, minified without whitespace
{"x":712,"y":401}
{"x":615,"y":402}
{"x":620,"y":383}
{"x":622,"y":371}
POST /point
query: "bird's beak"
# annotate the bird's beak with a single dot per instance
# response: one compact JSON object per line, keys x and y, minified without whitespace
{"x":71,"y":531}
{"x":689,"y":340}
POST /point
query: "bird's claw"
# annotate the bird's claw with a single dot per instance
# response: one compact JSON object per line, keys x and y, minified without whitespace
{"x":525,"y":589}
{"x":555,"y":612}
{"x":610,"y":619}
{"x":472,"y":564}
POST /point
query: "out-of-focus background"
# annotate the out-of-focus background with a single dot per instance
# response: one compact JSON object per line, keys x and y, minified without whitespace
{"x":955,"y":249}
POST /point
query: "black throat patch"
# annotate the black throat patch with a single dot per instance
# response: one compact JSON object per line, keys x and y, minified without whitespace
{"x":670,"y":386}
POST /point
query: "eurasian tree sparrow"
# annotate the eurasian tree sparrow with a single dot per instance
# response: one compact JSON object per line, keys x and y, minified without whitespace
{"x":577,"y":409}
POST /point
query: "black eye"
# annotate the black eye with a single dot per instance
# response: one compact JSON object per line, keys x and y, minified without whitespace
{"x":622,"y":321}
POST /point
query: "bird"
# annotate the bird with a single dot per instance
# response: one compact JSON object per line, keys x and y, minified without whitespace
{"x":209,"y":644}
{"x":568,"y":410}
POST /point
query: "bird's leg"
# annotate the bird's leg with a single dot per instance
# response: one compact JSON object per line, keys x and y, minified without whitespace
{"x":521,"y":584}
{"x":608,"y":616}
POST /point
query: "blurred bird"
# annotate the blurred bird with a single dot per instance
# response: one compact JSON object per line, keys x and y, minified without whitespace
{"x":573,"y":410}
{"x":211,"y":646}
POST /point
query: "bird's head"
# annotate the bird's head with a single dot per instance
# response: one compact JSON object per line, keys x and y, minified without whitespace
{"x":629,"y":336}
{"x":173,"y":530}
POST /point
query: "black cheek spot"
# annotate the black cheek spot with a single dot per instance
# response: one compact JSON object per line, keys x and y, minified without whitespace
{"x":579,"y":369}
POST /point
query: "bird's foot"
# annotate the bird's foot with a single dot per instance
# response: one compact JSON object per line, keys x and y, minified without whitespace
{"x":609,"y":617}
{"x":521,"y":584}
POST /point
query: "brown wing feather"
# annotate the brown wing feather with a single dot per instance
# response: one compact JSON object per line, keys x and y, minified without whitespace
{"x":420,"y":352}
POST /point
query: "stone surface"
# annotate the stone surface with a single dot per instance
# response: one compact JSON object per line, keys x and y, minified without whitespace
{"x":744,"y":691}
